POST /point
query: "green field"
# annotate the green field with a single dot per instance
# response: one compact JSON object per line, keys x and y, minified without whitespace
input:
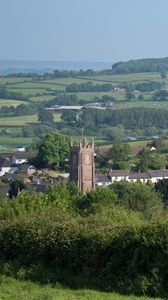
{"x":13,"y":80}
{"x":35,"y":88}
{"x":9,"y":102}
{"x":129,"y":77}
{"x":8,"y":143}
{"x":22,"y":120}
{"x":42,"y":98}
{"x":12,"y":289}
{"x":145,"y":104}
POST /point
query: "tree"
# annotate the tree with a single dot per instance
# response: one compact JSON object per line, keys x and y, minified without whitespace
{"x":96,"y":200}
{"x":143,"y":164}
{"x":119,"y":152}
{"x":68,"y":116}
{"x":163,"y":74}
{"x":162,"y":187}
{"x":53,"y":150}
{"x":45,"y":116}
{"x":141,"y":97}
{"x":16,"y":186}
{"x":114,"y":133}
{"x":137,"y":197}
{"x":129,"y":96}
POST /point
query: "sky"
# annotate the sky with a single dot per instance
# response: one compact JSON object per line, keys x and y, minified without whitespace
{"x":83,"y":30}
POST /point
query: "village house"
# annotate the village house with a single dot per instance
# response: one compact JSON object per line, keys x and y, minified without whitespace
{"x":118,"y":175}
{"x":19,"y":158}
{"x":27,"y":169}
{"x":6,"y":166}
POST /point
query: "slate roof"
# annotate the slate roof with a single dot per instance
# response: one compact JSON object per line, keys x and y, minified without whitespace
{"x":21,"y":155}
{"x":146,"y":175}
{"x":25,"y":167}
{"x":119,"y":173}
{"x":102,"y":178}
{"x":139,"y":176}
{"x":158,"y":173}
{"x":4,"y":163}
{"x":10,"y":176}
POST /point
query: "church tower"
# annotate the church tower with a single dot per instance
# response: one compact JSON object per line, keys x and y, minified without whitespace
{"x":82,"y":166}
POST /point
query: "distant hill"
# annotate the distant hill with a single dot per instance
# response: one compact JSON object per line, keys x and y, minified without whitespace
{"x":141,"y":66}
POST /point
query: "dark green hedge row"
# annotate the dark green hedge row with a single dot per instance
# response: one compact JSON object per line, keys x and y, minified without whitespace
{"x":125,"y":259}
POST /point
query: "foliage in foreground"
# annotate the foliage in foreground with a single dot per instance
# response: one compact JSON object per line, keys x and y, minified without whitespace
{"x":111,"y":239}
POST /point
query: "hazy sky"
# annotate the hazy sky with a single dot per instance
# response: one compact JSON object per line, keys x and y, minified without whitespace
{"x":83,"y":30}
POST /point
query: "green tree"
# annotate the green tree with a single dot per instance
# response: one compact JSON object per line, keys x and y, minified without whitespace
{"x":137,"y":197}
{"x":163,"y":74}
{"x":162,"y":187}
{"x":114,"y":133}
{"x":96,"y":200}
{"x":129,"y":96}
{"x":141,"y":97}
{"x":69,"y":116}
{"x":119,"y":152}
{"x":53,"y":150}
{"x":45,"y":116}
{"x":16,"y":186}
{"x":143,"y":164}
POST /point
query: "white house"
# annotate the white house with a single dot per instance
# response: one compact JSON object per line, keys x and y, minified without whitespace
{"x":6,"y":166}
{"x":117,"y":175}
{"x":19,"y":158}
{"x":152,"y":175}
{"x":102,"y":180}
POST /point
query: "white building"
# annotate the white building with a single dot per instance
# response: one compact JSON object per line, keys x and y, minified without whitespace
{"x":117,"y":175}
{"x":6,"y":166}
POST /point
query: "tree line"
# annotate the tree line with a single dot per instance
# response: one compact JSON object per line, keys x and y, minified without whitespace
{"x":89,"y":87}
{"x":133,"y":118}
{"x":141,"y":66}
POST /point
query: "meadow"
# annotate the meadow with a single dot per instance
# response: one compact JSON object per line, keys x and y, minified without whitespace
{"x":23,"y":120}
{"x":36,"y":89}
{"x":39,"y":89}
{"x":10,"y":102}
{"x":12,"y":289}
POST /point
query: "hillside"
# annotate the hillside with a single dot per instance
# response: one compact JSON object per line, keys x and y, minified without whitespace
{"x":141,"y":66}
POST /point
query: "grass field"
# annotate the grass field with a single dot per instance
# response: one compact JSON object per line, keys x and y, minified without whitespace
{"x":9,"y":102}
{"x":129,"y":77}
{"x":8,"y":143}
{"x":35,"y":88}
{"x":12,"y":289}
{"x":145,"y":104}
{"x":20,"y":120}
{"x":13,"y":80}
{"x":42,"y":98}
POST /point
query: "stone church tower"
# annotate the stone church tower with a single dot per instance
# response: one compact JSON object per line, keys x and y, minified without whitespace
{"x":82,"y":166}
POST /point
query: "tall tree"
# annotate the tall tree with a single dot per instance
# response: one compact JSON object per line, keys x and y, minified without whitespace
{"x":45,"y":116}
{"x":53,"y":150}
{"x":119,"y":152}
{"x":143,"y":164}
{"x":163,"y":74}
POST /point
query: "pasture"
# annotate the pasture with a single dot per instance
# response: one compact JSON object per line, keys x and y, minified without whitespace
{"x":9,"y":144}
{"x":42,"y":89}
{"x":19,"y":120}
{"x":145,"y":104}
{"x":10,"y":102}
{"x":23,"y":120}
